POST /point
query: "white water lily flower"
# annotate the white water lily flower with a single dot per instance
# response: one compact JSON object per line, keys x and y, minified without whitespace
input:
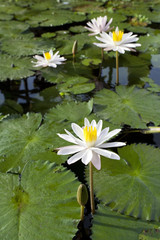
{"x":118,"y":41}
{"x":48,"y":59}
{"x":90,"y":143}
{"x":98,"y":25}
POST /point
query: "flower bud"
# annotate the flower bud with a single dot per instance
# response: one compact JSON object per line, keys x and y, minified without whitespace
{"x":82,"y":195}
{"x":74,"y":48}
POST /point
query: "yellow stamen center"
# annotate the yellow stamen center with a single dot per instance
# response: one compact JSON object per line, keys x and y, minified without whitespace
{"x":47,"y":56}
{"x":90,"y":134}
{"x":117,"y":36}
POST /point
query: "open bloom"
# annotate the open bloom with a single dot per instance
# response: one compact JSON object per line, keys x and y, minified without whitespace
{"x":98,"y":25}
{"x":118,"y":41}
{"x":48,"y":59}
{"x":90,"y":143}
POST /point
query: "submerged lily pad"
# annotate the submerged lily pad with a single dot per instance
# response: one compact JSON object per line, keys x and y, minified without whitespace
{"x":11,"y":107}
{"x":128,"y":105}
{"x":14,"y":68}
{"x":33,"y":205}
{"x":115,"y":226}
{"x":131,"y":185}
{"x":65,"y":72}
{"x":48,"y":98}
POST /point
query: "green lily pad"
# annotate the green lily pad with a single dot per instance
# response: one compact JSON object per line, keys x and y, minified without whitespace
{"x":48,"y":35}
{"x":90,"y":61}
{"x":131,"y":185}
{"x":76,"y":85}
{"x":23,"y":138}
{"x":128,"y":105}
{"x":51,"y":17}
{"x":27,"y":45}
{"x":4,"y":16}
{"x":153,"y":87}
{"x":71,"y":111}
{"x":67,"y":42}
{"x":115,"y":226}
{"x":32,"y":207}
{"x":12,"y":28}
{"x":151,"y":234}
{"x":14,"y":68}
{"x":150,"y":43}
{"x":9,"y":7}
{"x":77,"y":29}
{"x":87,"y":7}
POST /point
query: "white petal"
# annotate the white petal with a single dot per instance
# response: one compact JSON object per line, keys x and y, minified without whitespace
{"x":78,"y":130}
{"x":112,"y":144}
{"x":86,"y":122}
{"x":76,"y":157}
{"x":96,"y":161}
{"x":52,"y":65}
{"x":69,"y":149}
{"x":87,"y":156}
{"x":121,"y":50}
{"x":77,"y":141}
{"x":113,"y":133}
{"x":106,"y":153}
{"x":93,"y":123}
{"x":99,"y":127}
{"x":67,"y":137}
{"x":103,"y":134}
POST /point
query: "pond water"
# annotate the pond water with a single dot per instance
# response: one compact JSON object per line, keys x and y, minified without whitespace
{"x":36,"y":103}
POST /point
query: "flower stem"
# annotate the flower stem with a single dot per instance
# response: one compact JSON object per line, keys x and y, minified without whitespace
{"x":82,"y":212}
{"x":91,"y":187}
{"x":102,"y":54}
{"x":117,"y":69}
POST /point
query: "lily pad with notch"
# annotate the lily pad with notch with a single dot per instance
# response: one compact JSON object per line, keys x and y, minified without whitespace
{"x":128,"y":105}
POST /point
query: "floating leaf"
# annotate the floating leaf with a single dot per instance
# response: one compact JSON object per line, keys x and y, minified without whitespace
{"x":12,"y":28}
{"x":51,"y":17}
{"x":115,"y":226}
{"x":72,"y":111}
{"x":40,"y":203}
{"x":76,"y":85}
{"x":27,"y":45}
{"x":14,"y":68}
{"x":128,"y":105}
{"x":153,"y":87}
{"x":68,"y":41}
{"x":48,"y":35}
{"x":23,"y":138}
{"x":90,"y":61}
{"x":131,"y":185}
{"x":150,"y":43}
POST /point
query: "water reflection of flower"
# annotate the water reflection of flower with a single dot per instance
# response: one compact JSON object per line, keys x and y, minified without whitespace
{"x":48,"y":60}
{"x":90,"y":143}
{"x":98,"y":25}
